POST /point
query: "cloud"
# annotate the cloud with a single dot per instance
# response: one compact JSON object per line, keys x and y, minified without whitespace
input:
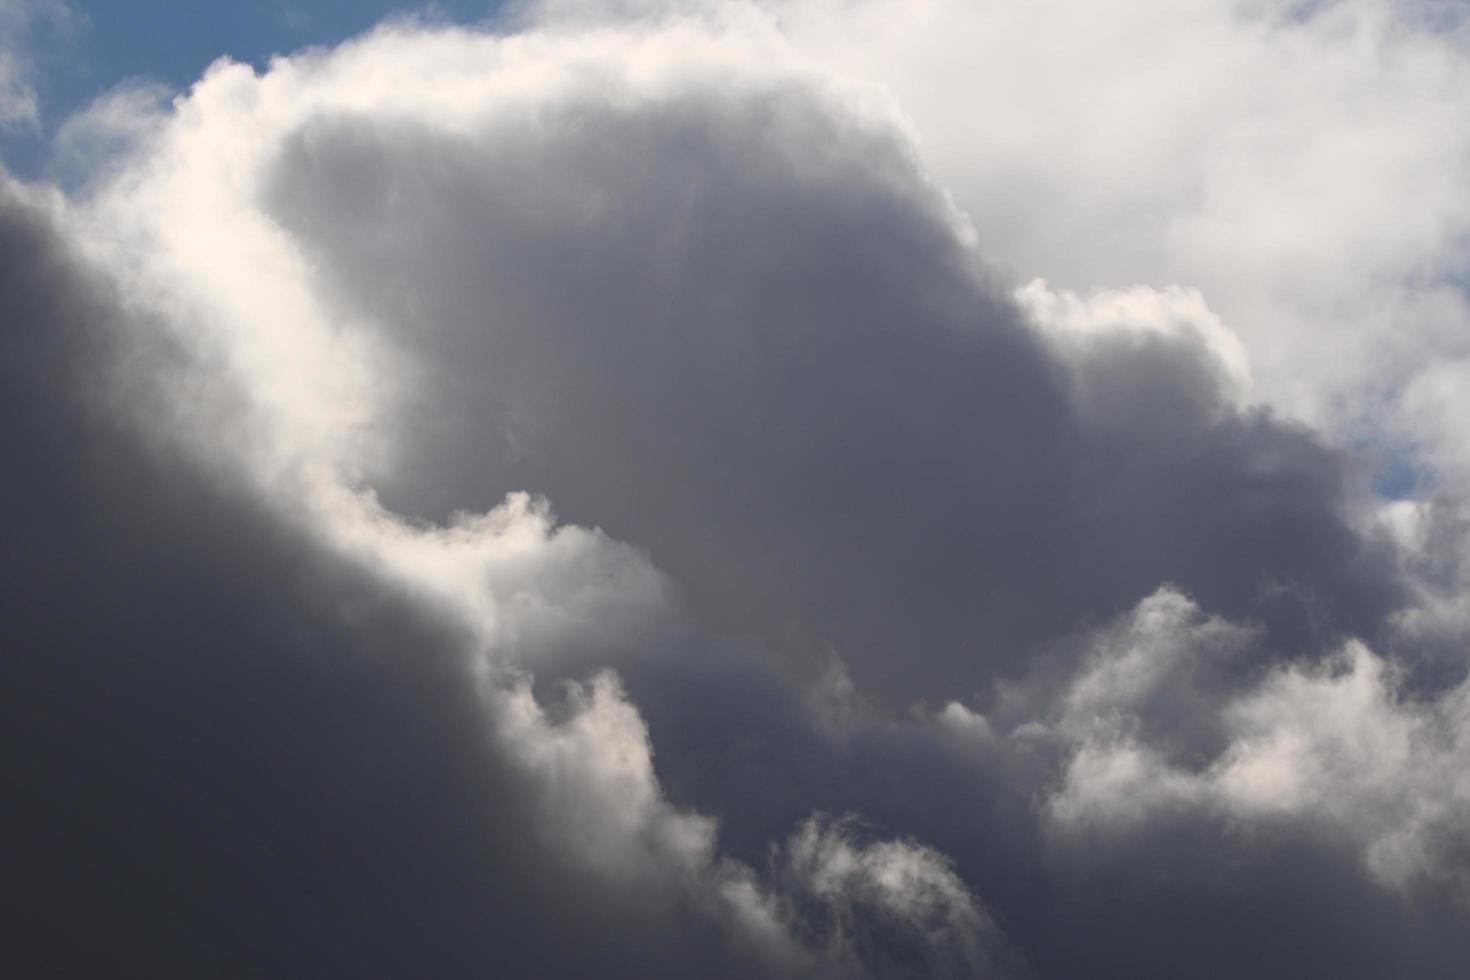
{"x":20,"y":20}
{"x":776,"y":370}
{"x":227,"y":746}
{"x":864,"y":888}
{"x":489,"y":499}
{"x":1336,"y":743}
{"x":1327,"y":770}
{"x":92,"y":142}
{"x":305,"y":746}
{"x":1300,"y":164}
{"x":17,"y":98}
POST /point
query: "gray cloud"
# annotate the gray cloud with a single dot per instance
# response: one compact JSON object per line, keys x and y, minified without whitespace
{"x":898,"y":626}
{"x":740,"y":333}
{"x":213,"y":765}
{"x":232,"y":749}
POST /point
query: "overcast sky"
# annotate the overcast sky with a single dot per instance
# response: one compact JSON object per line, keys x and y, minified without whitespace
{"x":735,"y":488}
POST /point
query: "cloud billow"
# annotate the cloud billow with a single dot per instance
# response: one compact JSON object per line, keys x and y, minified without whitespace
{"x":579,"y":502}
{"x":745,"y":338}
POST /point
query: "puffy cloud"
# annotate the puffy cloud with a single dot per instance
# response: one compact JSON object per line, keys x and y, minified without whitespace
{"x":864,"y":888}
{"x":1300,"y":164}
{"x":778,"y":370}
{"x":1336,"y":743}
{"x":1077,"y":321}
{"x":327,"y":746}
{"x":302,"y":370}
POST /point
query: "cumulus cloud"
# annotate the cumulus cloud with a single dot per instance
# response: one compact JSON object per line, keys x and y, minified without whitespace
{"x":888,"y":460}
{"x":487,"y":499}
{"x":1336,"y":743}
{"x":329,"y":746}
{"x":862,"y":889}
{"x":1301,"y":164}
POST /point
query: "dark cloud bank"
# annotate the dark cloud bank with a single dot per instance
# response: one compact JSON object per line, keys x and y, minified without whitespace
{"x":226,"y":753}
{"x":735,"y":329}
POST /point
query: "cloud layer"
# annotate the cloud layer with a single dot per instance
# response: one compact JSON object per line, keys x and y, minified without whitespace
{"x":641,"y":493}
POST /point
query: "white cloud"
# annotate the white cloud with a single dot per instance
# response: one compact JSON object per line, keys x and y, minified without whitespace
{"x":1173,"y":312}
{"x":1338,"y":745}
{"x":1301,"y":168}
{"x":24,"y":25}
{"x":900,"y":883}
{"x":93,"y":142}
{"x":17,"y":96}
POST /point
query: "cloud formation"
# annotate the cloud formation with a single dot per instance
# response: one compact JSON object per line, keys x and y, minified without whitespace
{"x":654,"y":493}
{"x":21,"y":22}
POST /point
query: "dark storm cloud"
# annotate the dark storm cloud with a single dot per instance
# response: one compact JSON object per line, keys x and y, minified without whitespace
{"x":230,"y":751}
{"x":225,"y":752}
{"x":769,"y":365}
{"x":731,"y":323}
{"x":1188,"y":886}
{"x":740,"y":333}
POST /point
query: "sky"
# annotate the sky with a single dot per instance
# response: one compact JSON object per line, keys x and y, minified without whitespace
{"x":736,"y":488}
{"x":77,"y":51}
